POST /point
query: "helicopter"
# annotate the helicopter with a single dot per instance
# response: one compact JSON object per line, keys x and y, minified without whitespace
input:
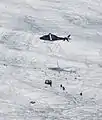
{"x":52,"y":37}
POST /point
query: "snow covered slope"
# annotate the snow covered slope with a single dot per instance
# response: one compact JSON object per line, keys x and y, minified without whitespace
{"x":26,"y":62}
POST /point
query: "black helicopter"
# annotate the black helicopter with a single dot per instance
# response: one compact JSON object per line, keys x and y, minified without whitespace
{"x":52,"y":37}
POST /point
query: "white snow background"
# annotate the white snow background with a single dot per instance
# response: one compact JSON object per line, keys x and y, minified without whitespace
{"x":25,"y":60}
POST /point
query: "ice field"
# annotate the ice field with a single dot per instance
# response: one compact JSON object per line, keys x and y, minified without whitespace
{"x":26,"y":61}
